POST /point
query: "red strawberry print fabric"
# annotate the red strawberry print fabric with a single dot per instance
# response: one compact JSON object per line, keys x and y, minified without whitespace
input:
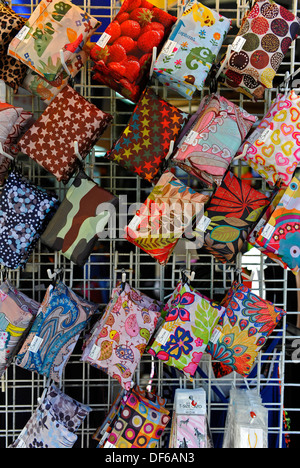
{"x":123,"y":55}
{"x":50,"y":140}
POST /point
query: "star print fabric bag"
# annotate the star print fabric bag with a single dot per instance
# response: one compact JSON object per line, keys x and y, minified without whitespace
{"x":120,"y":338}
{"x":166,"y":215}
{"x":50,"y":140}
{"x":62,"y":317}
{"x":80,"y":219}
{"x":123,"y":54}
{"x":192,"y":48}
{"x":208,"y":146}
{"x":189,"y":323}
{"x":25,"y":211}
{"x":54,"y":26}
{"x":243,"y":331}
{"x":145,"y":142}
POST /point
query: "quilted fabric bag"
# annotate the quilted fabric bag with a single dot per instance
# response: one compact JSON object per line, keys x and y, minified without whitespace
{"x":280,"y":237}
{"x":192,"y":48}
{"x":25,"y":210}
{"x":54,"y":25}
{"x":145,"y":142}
{"x":12,"y":71}
{"x":209,"y":144}
{"x":50,"y":140}
{"x":120,"y":338}
{"x":189,"y":323}
{"x":243,"y":331}
{"x":62,"y":317}
{"x":17,"y":313}
{"x":162,"y":220}
{"x":231,"y":213}
{"x":54,"y":423}
{"x":123,"y":55}
{"x":81,"y":217}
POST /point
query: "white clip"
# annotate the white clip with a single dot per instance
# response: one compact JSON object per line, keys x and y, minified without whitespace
{"x":171,"y":149}
{"x":5,"y":154}
{"x":63,"y":62}
{"x":53,"y":275}
{"x":76,"y":151}
{"x":154,"y":56}
{"x":241,"y":156}
{"x":225,"y":61}
{"x":124,"y":277}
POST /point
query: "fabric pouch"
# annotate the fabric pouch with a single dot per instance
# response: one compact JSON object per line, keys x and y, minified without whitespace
{"x":243,"y":330}
{"x":231,"y":213}
{"x":25,"y":210}
{"x":263,"y":41}
{"x":62,"y":317}
{"x":123,"y":54}
{"x":50,"y":140}
{"x":145,"y":143}
{"x":274,"y":148}
{"x":12,"y":71}
{"x":54,"y":26}
{"x":189,"y":323}
{"x":280,"y":237}
{"x":120,"y":338}
{"x":81,"y":217}
{"x":17,"y":313}
{"x":54,"y":422}
{"x":192,"y":48}
{"x":208,"y":146}
{"x":164,"y":217}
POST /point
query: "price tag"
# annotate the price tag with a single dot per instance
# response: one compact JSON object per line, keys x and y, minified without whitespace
{"x":268,"y":231}
{"x":36,"y":344}
{"x":95,"y":352}
{"x":22,"y":33}
{"x":103,"y":40}
{"x":238,"y":44}
{"x":163,"y":337}
{"x":203,"y":223}
{"x":169,"y":47}
{"x":191,"y":137}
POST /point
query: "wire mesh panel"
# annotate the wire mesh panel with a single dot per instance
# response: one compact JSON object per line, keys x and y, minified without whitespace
{"x":276,"y":377}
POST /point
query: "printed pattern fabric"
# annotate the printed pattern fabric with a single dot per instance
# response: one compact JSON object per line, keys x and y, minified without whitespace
{"x":190,"y":431}
{"x":233,"y":210}
{"x":25,"y":211}
{"x":139,"y":423}
{"x":208,"y":146}
{"x":54,"y":422}
{"x":189,"y":323}
{"x":123,"y":55}
{"x":50,"y":140}
{"x":12,"y":71}
{"x":164,"y":217}
{"x":78,"y":222}
{"x":53,"y":26}
{"x":281,"y":235}
{"x":184,"y":64}
{"x":243,"y":330}
{"x":269,"y":31}
{"x":244,"y":84}
{"x":62,"y":317}
{"x":17,"y":312}
{"x":274,"y":148}
{"x":145,"y":142}
{"x":120,"y":338}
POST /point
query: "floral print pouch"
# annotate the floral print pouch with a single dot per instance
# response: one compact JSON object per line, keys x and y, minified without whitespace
{"x":61,"y":318}
{"x":264,"y":39}
{"x":53,"y":26}
{"x":17,"y":313}
{"x":69,"y":117}
{"x":243,"y":330}
{"x":120,"y":338}
{"x":209,"y":145}
{"x":192,"y":48}
{"x":79,"y":220}
{"x":164,"y":217}
{"x":280,"y":237}
{"x":123,"y":54}
{"x":189,"y":323}
{"x":274,"y":148}
{"x":54,"y":422}
{"x":25,"y":210}
{"x":145,"y":142}
{"x":231,"y":213}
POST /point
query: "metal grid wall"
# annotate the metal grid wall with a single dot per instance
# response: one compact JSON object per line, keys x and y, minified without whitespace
{"x":21,"y":388}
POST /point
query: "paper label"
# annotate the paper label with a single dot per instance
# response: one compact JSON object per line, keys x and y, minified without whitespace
{"x":109,"y":445}
{"x":95,"y":352}
{"x":169,"y":47}
{"x":163,"y":337}
{"x":190,"y":401}
{"x":203,"y":223}
{"x":134,"y":223}
{"x":215,"y":336}
{"x":35,"y":344}
{"x":252,"y":437}
{"x":103,"y":40}
{"x":238,"y":44}
{"x":21,"y":444}
{"x":266,"y":134}
{"x":191,"y":137}
{"x":268,"y":231}
{"x":23,"y":33}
